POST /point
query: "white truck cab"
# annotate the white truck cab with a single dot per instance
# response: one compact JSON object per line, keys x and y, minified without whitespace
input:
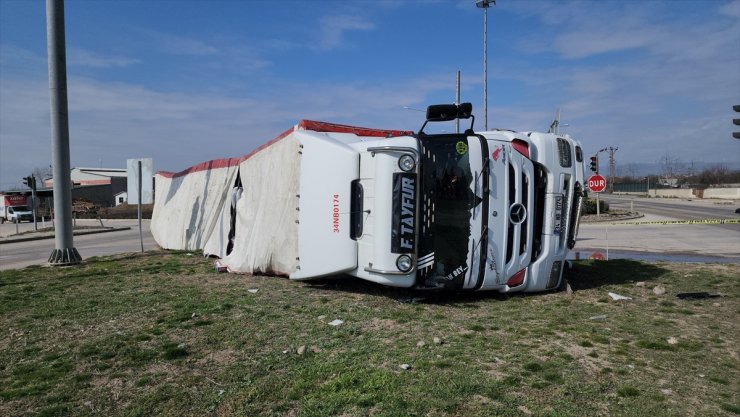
{"x":493,"y":210}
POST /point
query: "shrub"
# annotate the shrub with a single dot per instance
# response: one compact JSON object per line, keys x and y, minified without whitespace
{"x":589,"y":206}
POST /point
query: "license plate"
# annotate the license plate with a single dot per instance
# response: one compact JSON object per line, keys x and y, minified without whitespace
{"x":558,"y":214}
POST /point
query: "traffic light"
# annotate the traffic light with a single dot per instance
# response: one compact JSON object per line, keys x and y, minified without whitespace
{"x":736,"y":135}
{"x":30,"y":182}
{"x":595,"y":164}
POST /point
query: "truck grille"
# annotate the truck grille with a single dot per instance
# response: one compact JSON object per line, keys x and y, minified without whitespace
{"x":520,"y":198}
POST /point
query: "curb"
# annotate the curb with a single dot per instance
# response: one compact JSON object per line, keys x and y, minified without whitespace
{"x":607,"y":219}
{"x":51,"y":235}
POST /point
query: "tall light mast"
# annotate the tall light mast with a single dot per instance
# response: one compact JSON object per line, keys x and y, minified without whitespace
{"x":485,"y":4}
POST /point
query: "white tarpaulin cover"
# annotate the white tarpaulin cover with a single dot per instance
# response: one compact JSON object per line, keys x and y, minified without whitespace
{"x":242,"y":210}
{"x":193,"y":208}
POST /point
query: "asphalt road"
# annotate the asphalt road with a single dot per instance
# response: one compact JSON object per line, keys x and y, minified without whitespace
{"x":676,"y":208}
{"x":682,"y":242}
{"x":22,"y":254}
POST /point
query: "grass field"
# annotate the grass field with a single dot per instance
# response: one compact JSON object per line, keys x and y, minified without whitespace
{"x":161,"y":333}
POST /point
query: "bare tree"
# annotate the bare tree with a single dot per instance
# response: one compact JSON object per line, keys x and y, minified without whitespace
{"x":41,"y":174}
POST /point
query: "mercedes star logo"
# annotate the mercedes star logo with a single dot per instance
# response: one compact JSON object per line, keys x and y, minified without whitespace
{"x":517,"y":213}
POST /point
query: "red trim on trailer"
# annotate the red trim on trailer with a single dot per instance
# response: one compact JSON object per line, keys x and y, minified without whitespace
{"x":302,"y":125}
{"x":359,"y":131}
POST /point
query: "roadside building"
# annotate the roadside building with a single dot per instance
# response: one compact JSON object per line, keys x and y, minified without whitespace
{"x":120,"y":198}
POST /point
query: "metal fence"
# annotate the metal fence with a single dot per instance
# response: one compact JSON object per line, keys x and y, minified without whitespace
{"x":630,"y":187}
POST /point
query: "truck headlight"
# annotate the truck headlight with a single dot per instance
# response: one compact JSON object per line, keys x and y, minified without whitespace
{"x":406,"y":163}
{"x":404,"y":263}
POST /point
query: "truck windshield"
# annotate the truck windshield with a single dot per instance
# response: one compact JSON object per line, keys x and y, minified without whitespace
{"x":447,"y":199}
{"x":21,"y":208}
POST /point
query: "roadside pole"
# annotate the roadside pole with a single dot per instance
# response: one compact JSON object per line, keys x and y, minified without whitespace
{"x":141,"y":234}
{"x":598,"y":208}
{"x":33,"y":205}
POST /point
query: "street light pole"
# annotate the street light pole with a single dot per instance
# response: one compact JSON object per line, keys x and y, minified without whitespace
{"x":485,"y":4}
{"x":64,"y":252}
{"x":457,"y":100}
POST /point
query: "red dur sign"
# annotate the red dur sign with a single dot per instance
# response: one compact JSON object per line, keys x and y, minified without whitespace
{"x":596,"y":183}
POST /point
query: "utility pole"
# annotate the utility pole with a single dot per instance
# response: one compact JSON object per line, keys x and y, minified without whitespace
{"x":612,"y":168}
{"x":64,"y":252}
{"x":457,"y":101}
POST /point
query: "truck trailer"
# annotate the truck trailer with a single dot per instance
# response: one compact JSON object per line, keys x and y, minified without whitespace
{"x":495,"y":210}
{"x":14,"y":208}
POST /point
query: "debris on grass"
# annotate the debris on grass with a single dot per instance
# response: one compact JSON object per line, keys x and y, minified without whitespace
{"x":672,"y":340}
{"x":301,"y":350}
{"x":659,"y":290}
{"x":253,"y":290}
{"x":220,"y":267}
{"x":336,"y":322}
{"x":617,"y":297}
{"x":599,"y":317}
{"x":640,"y":284}
{"x":405,"y":366}
{"x":437,"y":341}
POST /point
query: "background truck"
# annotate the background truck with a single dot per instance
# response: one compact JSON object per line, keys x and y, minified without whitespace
{"x":494,"y":210}
{"x":14,"y":208}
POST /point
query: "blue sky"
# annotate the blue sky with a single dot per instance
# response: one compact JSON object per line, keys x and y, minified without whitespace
{"x":187,"y":81}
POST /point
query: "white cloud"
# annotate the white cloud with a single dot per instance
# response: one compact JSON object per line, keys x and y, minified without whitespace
{"x":110,"y":122}
{"x":333,"y":29}
{"x":179,"y":45}
{"x":731,"y":9}
{"x":81,"y":57}
{"x":628,"y":78}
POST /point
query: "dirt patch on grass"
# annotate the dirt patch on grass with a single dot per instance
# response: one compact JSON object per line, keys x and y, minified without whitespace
{"x":376,"y":324}
{"x":220,"y":357}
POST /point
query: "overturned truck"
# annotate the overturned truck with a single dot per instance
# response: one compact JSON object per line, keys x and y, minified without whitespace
{"x":494,"y":210}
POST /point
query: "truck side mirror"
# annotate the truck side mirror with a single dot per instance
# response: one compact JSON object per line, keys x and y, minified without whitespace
{"x":464,"y":110}
{"x":441,"y":112}
{"x":447,"y":112}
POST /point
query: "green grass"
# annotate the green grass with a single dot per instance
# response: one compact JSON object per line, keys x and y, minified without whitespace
{"x":162,"y":333}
